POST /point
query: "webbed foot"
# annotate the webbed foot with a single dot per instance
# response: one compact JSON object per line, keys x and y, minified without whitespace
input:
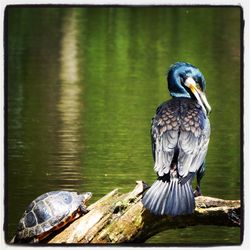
{"x":197,"y":191}
{"x":164,"y":178}
{"x":188,"y":177}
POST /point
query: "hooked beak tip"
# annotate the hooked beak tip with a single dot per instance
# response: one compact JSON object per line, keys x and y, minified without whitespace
{"x":200,"y":96}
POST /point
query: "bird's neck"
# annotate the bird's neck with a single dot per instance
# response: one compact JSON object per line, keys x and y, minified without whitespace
{"x":176,"y":95}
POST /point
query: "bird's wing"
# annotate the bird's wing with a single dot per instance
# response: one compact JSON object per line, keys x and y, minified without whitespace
{"x":193,"y":141}
{"x":164,"y":134}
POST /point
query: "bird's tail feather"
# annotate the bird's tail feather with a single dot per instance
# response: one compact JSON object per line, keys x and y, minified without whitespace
{"x":171,"y":198}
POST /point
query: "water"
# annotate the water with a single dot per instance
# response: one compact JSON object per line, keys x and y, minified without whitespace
{"x":83,"y":85}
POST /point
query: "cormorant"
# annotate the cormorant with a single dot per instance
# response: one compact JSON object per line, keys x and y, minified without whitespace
{"x":180,"y":135}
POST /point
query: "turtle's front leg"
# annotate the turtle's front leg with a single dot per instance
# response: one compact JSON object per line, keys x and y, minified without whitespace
{"x":83,"y":209}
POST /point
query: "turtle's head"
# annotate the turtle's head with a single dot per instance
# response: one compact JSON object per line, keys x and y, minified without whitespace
{"x":86,"y":196}
{"x":185,"y":80}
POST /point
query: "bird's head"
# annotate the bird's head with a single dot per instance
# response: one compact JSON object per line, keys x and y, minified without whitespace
{"x":185,"y":80}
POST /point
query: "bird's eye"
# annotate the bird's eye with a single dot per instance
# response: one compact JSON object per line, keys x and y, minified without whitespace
{"x":198,"y":81}
{"x":198,"y":86}
{"x":182,"y":78}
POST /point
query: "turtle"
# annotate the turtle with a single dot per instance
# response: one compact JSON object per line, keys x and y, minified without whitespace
{"x":49,"y":212}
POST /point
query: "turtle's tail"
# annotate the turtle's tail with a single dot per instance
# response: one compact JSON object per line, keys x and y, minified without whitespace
{"x":169,"y":198}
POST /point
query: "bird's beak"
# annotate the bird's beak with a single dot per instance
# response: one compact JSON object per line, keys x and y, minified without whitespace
{"x":200,"y":96}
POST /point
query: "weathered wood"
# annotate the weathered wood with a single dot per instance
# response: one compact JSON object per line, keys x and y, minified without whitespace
{"x":121,"y":218}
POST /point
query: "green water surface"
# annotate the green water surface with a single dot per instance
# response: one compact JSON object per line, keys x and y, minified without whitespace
{"x":82,"y":86}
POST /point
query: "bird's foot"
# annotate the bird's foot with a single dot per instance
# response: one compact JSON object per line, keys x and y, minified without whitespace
{"x":197,"y":191}
{"x":188,"y":177}
{"x":164,"y":178}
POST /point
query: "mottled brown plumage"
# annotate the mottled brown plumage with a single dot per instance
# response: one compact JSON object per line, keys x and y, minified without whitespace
{"x":180,"y":134}
{"x":175,"y":123}
{"x":172,"y":116}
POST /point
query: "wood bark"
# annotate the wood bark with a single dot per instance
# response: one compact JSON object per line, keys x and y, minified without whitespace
{"x":121,"y":218}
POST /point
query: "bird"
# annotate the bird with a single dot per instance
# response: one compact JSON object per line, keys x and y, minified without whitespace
{"x":180,"y":133}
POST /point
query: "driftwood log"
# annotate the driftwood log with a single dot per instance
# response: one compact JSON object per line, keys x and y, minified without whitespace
{"x":121,"y":218}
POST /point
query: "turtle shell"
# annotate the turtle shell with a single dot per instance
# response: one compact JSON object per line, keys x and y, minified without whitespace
{"x":50,"y":212}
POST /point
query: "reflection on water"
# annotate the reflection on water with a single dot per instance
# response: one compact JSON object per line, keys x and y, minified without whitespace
{"x":69,"y":52}
{"x":67,"y":160}
{"x":82,"y":92}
